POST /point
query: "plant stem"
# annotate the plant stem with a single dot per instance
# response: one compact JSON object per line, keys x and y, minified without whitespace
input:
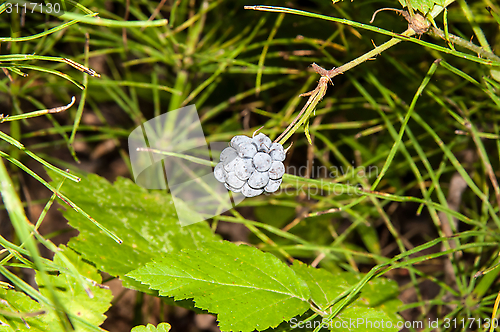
{"x":328,"y":74}
{"x":438,"y":33}
{"x":393,"y":41}
{"x":369,"y":55}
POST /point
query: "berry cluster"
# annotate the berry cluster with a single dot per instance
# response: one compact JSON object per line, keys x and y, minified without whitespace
{"x":251,"y":165}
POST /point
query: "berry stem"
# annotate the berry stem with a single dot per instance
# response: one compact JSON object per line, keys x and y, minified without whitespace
{"x":315,"y":97}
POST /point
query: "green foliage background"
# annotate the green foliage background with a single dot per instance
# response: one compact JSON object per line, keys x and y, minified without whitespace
{"x":419,"y":122}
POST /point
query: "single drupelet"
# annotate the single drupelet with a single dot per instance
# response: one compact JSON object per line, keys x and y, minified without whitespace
{"x":251,"y":165}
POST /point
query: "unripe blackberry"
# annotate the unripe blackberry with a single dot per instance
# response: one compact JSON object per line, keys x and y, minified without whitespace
{"x":251,"y":165}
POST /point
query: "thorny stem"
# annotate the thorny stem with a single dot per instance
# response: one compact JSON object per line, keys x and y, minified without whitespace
{"x":326,"y":75}
{"x":369,"y":55}
{"x":315,"y":97}
{"x":438,"y":33}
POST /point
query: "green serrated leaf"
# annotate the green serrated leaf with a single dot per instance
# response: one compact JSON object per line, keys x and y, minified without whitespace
{"x":146,"y":222}
{"x":424,"y":6}
{"x":377,"y":302}
{"x":73,"y":296}
{"x":162,"y":327}
{"x":247,"y":288}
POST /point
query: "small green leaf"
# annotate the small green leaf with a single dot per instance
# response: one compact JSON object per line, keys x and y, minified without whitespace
{"x":424,"y":6}
{"x":147,"y":224}
{"x":247,"y":288}
{"x":162,"y":327}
